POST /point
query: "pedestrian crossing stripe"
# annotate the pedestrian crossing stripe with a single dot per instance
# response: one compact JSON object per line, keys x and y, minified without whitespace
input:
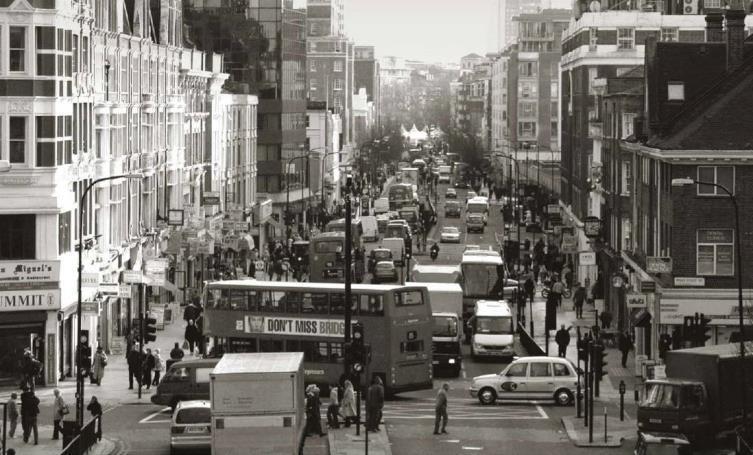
{"x":154,"y":417}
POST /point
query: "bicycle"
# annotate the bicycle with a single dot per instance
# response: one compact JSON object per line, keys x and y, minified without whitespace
{"x":567,"y":293}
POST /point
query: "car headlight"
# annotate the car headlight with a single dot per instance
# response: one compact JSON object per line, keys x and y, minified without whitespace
{"x":451,"y":361}
{"x":477,"y":346}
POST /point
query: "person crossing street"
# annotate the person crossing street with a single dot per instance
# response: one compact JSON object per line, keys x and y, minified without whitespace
{"x":440,"y":409}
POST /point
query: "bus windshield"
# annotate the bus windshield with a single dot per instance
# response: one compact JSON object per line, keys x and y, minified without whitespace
{"x":445,"y":326}
{"x":395,"y":231}
{"x":328,"y":246}
{"x":494,"y":325}
{"x":476,"y":207}
{"x":479,"y":279}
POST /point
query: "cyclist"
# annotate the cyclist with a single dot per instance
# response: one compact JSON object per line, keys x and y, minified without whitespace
{"x":557,"y":289}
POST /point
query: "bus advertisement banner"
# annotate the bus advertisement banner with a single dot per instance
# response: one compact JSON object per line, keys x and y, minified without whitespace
{"x":281,"y":325}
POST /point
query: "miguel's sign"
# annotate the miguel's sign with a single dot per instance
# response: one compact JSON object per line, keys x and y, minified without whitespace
{"x":14,"y":272}
{"x":24,"y":300}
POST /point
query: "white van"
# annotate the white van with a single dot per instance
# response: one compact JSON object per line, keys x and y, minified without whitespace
{"x":493,"y":328}
{"x":370,"y":229}
{"x":381,"y":205}
{"x":397,"y":246}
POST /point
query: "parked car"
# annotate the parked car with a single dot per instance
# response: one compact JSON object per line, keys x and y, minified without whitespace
{"x":451,"y":193}
{"x":529,"y":378}
{"x":378,"y":255}
{"x":449,"y":234}
{"x":460,"y":184}
{"x":471,"y":247}
{"x":474,"y":222}
{"x":452,"y":209}
{"x":384,"y":271}
{"x":662,"y":444}
{"x":191,"y":427}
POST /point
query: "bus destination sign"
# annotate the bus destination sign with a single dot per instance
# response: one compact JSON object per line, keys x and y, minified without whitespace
{"x":278,"y":325}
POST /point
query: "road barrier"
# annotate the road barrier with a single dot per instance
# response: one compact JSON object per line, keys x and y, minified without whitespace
{"x":83,"y":441}
{"x":528,"y":342}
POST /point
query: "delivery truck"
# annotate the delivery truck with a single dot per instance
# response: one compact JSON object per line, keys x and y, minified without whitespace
{"x":701,"y":395}
{"x":258,"y":404}
{"x":447,"y":333}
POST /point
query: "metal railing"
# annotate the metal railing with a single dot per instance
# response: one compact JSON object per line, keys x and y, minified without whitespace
{"x":528,"y":342}
{"x":82,"y":442}
{"x":743,"y":443}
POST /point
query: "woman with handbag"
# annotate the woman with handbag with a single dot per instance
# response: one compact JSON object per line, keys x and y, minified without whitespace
{"x":59,"y":409}
{"x":98,"y":366}
{"x":348,"y":404}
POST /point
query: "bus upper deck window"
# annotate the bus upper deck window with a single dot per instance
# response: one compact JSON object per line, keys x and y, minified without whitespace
{"x":372,"y":304}
{"x":315,"y":303}
{"x":272,"y":301}
{"x":337,"y":304}
{"x":293,"y":302}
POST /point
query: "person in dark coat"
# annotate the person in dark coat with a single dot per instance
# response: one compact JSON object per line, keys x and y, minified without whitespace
{"x":30,"y":367}
{"x":191,"y":312}
{"x":96,"y":410}
{"x":562,"y":337}
{"x":374,"y":404}
{"x":579,"y":298}
{"x":313,"y":412}
{"x":146,"y":368}
{"x":192,"y":335}
{"x":134,"y":363}
{"x":29,"y":413}
{"x":177,"y":353}
{"x":529,"y":287}
{"x":625,"y":345}
{"x":440,"y":408}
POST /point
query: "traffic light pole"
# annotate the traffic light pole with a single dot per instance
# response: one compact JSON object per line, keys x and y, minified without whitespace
{"x":140,"y":378}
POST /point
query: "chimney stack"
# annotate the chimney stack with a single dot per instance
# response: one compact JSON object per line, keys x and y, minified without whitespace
{"x":714,"y":26}
{"x":735,"y":22}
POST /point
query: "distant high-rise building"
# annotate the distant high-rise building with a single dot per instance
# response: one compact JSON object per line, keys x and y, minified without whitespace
{"x":506,"y":11}
{"x":366,"y":75}
{"x":325,"y":18}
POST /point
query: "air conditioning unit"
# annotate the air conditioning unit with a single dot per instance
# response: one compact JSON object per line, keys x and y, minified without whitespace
{"x":690,"y":6}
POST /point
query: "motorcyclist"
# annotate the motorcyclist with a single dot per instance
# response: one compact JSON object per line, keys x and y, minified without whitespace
{"x":434,"y":252}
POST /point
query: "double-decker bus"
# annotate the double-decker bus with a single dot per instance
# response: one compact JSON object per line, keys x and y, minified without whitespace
{"x":356,"y":229}
{"x":327,"y":259}
{"x":275,"y":316}
{"x":400,"y":194}
{"x":483,"y":278}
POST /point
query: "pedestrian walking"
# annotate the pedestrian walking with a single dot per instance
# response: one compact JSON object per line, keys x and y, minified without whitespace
{"x":348,"y":404}
{"x":59,"y":410}
{"x":440,"y":409}
{"x":579,"y":298}
{"x":29,"y":413}
{"x":12,"y":414}
{"x":191,"y":312}
{"x":536,"y":270}
{"x":159,"y":367}
{"x":98,"y":366}
{"x":606,"y":319}
{"x":562,"y":337}
{"x":192,"y":335}
{"x":567,"y":275}
{"x":374,"y":404}
{"x":176,"y":353}
{"x":96,"y":411}
{"x":625,"y":345}
{"x":313,"y":411}
{"x":557,"y":289}
{"x":146,"y":368}
{"x":30,"y":368}
{"x":529,"y":287}
{"x":333,"y":408}
{"x":134,"y":363}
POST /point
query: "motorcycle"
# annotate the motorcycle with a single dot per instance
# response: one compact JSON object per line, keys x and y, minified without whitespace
{"x":434,"y":253}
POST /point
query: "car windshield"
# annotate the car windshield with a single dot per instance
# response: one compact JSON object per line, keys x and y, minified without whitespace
{"x":450,"y":230}
{"x":395,"y":230}
{"x":488,"y":325}
{"x":385,"y":265}
{"x":663,"y":396}
{"x":382,"y":254}
{"x":194,"y":415}
{"x":445,"y":326}
{"x":476,"y":207}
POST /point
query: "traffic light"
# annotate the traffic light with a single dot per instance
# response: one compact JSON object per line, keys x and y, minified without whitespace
{"x":150,"y":329}
{"x":409,"y":247}
{"x":702,"y":329}
{"x":600,"y":362}
{"x":688,"y":332}
{"x":357,"y":349}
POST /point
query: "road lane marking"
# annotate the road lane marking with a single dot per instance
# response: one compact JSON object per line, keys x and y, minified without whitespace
{"x":472,"y":448}
{"x":150,"y":417}
{"x":541,"y":412}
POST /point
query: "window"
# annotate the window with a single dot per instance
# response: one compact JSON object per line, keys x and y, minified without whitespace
{"x":560,"y":369}
{"x":17,"y":140}
{"x":675,"y":91}
{"x":627,"y":125}
{"x":627,"y":178}
{"x":527,"y":69}
{"x":17,"y":49}
{"x":715,"y":255}
{"x":408,"y":298}
{"x":518,"y":370}
{"x":338,"y":84}
{"x":554,"y":89}
{"x":411,"y":346}
{"x":669,"y":34}
{"x":527,"y":90}
{"x":18,"y":236}
{"x":372,"y":304}
{"x":338,"y":66}
{"x":312,"y":66}
{"x":540,"y":370}
{"x":527,"y":110}
{"x":312,"y":84}
{"x":526,"y":129}
{"x":721,"y":175}
{"x":625,"y":38}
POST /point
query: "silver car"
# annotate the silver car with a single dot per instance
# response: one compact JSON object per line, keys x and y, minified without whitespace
{"x":449,"y":234}
{"x":191,"y":427}
{"x":529,"y":378}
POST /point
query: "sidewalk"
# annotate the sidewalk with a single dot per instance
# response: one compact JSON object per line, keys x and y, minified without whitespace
{"x":345,"y":442}
{"x":47,"y":446}
{"x":566,"y":315}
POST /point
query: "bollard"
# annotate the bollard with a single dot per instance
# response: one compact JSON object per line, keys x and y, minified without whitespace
{"x":586,"y":390}
{"x":622,"y":401}
{"x":577,"y":397}
{"x":591,"y":408}
{"x":635,"y":393}
{"x":605,"y":424}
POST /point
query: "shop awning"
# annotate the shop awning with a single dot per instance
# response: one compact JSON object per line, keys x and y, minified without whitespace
{"x":640,"y":317}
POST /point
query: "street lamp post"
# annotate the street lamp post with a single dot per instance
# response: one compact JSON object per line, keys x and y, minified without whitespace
{"x":80,"y":351}
{"x":287,"y":185}
{"x":679,"y":182}
{"x":324,"y":160}
{"x":517,"y":190}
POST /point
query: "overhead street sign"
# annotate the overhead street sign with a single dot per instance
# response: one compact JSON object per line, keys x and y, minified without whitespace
{"x":659,"y":264}
{"x":133,"y":277}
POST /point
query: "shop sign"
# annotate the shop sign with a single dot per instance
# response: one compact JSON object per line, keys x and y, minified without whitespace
{"x":647,"y":286}
{"x":35,"y":299}
{"x":124,"y":291}
{"x":14,"y":272}
{"x":175,"y":217}
{"x":132,"y":277}
{"x":569,"y":244}
{"x":592,"y":227}
{"x":262,"y":211}
{"x":230,"y":242}
{"x":156,"y":265}
{"x":89,"y":280}
{"x":157,"y":311}
{"x":690,"y":281}
{"x":587,"y":258}
{"x":719,"y":311}
{"x":552,"y":208}
{"x":210,"y":198}
{"x":174,"y":242}
{"x":636,"y":300}
{"x":659,"y":264}
{"x":278,"y":325}
{"x":90,"y":307}
{"x":109,"y":288}
{"x":205,"y":247}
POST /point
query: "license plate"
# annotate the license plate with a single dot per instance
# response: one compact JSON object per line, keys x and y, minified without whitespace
{"x":435,"y":362}
{"x":195,"y":430}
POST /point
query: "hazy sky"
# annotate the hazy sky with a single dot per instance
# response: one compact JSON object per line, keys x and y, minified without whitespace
{"x":428,"y":30}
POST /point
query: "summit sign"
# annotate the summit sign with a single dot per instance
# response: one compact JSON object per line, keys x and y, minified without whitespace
{"x":24,"y":300}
